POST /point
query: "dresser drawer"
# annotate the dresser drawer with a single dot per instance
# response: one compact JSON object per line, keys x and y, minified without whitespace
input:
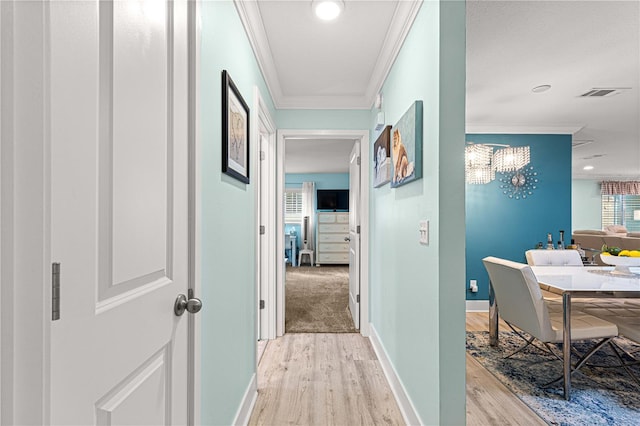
{"x":333,"y":228}
{"x":333,"y":258}
{"x":326,"y":218}
{"x":326,"y":247}
{"x":332,"y":238}
{"x":343,"y":218}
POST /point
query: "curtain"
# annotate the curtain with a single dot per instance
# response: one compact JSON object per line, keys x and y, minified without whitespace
{"x":309,"y":210}
{"x":620,"y":188}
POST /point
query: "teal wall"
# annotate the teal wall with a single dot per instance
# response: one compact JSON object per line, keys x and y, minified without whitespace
{"x":417,"y":295}
{"x":228,"y":224}
{"x":322,"y":181}
{"x":315,"y":119}
{"x":586,"y":207}
{"x":505,"y":227}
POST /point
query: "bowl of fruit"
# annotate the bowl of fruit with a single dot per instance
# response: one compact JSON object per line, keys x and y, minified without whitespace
{"x":621,"y":259}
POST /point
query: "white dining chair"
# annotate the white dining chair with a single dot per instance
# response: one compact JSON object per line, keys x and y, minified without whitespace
{"x":521,"y":305}
{"x":543,"y":257}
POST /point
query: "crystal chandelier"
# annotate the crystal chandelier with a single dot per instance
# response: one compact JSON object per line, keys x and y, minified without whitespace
{"x":477,"y":164}
{"x":481,"y":163}
{"x":510,"y":159}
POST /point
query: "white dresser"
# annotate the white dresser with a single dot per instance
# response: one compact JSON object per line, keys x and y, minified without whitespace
{"x":332,"y":229}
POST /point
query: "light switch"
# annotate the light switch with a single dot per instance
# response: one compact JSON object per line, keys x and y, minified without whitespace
{"x":424,"y":232}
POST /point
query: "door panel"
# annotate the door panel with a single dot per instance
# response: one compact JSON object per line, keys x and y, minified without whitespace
{"x":119,"y":200}
{"x":354,"y":235}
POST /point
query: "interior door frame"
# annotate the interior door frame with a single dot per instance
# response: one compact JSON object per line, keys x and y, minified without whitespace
{"x":290,"y":136}
{"x":25,"y":255}
{"x":265,"y":202}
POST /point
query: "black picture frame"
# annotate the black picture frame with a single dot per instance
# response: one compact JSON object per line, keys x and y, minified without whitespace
{"x":235,"y":131}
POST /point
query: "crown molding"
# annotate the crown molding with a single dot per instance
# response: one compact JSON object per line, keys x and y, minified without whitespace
{"x":568,"y":129}
{"x":404,"y":15}
{"x":249,"y":12}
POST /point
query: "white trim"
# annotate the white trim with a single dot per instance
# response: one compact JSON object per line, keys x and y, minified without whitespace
{"x":265,"y":126}
{"x":511,"y":129}
{"x":243,"y":415}
{"x":403,"y":18}
{"x":477,"y":306}
{"x":195,"y":194}
{"x":408,"y":410}
{"x":363,"y":137}
{"x":249,"y":13}
{"x":25,"y":203}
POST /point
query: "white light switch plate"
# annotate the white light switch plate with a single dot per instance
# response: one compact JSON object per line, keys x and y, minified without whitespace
{"x":424,"y":232}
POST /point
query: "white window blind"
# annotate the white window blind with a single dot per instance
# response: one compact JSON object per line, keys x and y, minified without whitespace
{"x":293,"y":206}
{"x":618,"y":210}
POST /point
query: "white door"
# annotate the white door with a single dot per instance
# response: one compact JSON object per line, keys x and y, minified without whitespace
{"x":354,"y":234}
{"x":119,"y":204}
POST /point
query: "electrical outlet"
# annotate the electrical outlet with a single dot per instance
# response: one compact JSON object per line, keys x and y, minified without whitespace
{"x":473,"y":286}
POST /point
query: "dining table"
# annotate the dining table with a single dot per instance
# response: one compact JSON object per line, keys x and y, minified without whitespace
{"x":572,"y":282}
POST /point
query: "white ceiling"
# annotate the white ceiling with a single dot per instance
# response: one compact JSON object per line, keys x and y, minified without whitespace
{"x":317,"y":155}
{"x":512,"y":46}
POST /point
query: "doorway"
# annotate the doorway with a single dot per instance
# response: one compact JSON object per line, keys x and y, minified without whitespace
{"x":345,"y":137}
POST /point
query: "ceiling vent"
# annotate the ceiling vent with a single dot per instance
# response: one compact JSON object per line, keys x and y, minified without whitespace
{"x":601,"y":92}
{"x":591,"y":157}
{"x":579,"y":143}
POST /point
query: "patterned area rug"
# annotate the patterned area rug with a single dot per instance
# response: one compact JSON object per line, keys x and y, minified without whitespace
{"x":317,"y":300}
{"x":600,"y":396}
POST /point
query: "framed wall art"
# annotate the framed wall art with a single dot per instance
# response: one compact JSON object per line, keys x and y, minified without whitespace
{"x":406,"y":147}
{"x":382,"y":159}
{"x":235,"y":131}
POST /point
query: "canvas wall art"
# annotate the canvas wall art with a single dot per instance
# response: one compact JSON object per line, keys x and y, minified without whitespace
{"x":382,"y":158}
{"x":406,"y":147}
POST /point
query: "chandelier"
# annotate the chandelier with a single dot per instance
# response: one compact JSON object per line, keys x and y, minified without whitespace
{"x":481,"y":163}
{"x":510,"y":159}
{"x":477,"y":164}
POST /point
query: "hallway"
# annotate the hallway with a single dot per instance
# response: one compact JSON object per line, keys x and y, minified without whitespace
{"x":323,"y":379}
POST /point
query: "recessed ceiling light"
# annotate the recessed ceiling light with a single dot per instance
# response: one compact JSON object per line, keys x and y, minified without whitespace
{"x":587,"y":168}
{"x":327,"y":10}
{"x":542,"y":88}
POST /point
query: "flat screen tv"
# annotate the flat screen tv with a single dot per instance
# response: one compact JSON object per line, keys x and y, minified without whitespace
{"x":333,"y":199}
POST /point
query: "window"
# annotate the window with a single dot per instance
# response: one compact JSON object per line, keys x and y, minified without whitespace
{"x":293,"y":205}
{"x":618,"y":210}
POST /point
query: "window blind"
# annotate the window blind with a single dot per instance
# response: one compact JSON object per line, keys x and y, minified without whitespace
{"x":293,"y":206}
{"x":618,"y":210}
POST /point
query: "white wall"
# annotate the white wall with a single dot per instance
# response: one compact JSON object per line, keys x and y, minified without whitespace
{"x":586,"y":204}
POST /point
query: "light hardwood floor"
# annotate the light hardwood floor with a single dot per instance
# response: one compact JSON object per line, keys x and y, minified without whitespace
{"x":323,"y":379}
{"x":336,"y":379}
{"x":489,"y":402}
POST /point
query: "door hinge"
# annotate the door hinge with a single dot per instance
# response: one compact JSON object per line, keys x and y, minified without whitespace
{"x":55,"y":291}
{"x":262,"y":304}
{"x":358,"y":229}
{"x":262,"y":230}
{"x":262,"y":155}
{"x":358,"y":160}
{"x":358,"y":298}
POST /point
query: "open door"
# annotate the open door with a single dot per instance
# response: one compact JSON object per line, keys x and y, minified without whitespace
{"x":354,"y":234}
{"x":119,"y":212}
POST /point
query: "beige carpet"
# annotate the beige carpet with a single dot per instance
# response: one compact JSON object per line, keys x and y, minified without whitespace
{"x":317,"y":300}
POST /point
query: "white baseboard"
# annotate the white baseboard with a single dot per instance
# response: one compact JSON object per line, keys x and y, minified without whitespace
{"x":477,"y":306}
{"x":248,"y":401}
{"x":407,"y":409}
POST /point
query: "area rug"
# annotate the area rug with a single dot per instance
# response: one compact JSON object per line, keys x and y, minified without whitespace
{"x":317,"y":300}
{"x":599,"y":396}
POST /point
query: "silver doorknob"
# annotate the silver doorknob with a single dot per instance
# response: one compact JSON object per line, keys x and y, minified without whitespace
{"x":182,"y":304}
{"x":347,"y":239}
